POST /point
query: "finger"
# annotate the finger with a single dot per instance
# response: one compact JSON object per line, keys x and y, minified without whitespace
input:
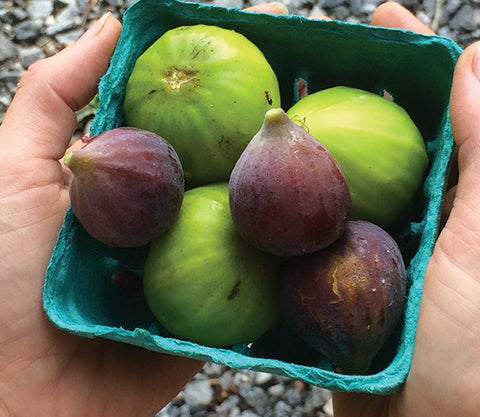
{"x":465,"y":120}
{"x":41,"y":118}
{"x":319,"y":17}
{"x":274,"y":8}
{"x":393,"y":15}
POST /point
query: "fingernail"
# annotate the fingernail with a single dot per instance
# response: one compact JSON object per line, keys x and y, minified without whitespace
{"x":476,"y":62}
{"x":96,"y":28}
{"x":282,"y":9}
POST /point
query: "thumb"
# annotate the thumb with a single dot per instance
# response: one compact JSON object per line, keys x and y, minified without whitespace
{"x":41,"y":118}
{"x":465,"y":120}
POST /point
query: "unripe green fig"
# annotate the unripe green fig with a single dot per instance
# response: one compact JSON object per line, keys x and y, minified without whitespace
{"x":203,"y":282}
{"x":345,"y":300}
{"x":288,"y":195}
{"x":204,"y":89}
{"x":127,"y":186}
{"x":378,"y":146}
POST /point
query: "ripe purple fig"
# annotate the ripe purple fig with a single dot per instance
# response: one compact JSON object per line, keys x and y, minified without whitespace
{"x":127,"y":186}
{"x":346,"y":300}
{"x":288,"y":195}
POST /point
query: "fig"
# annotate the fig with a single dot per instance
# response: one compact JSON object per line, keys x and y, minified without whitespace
{"x":346,"y":300}
{"x":127,"y":186}
{"x":378,"y":146}
{"x":203,"y":282}
{"x":205,"y":90}
{"x":288,"y":195}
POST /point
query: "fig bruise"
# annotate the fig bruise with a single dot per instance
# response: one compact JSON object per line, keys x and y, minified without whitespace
{"x":346,"y":300}
{"x":288,"y":195}
{"x":127,"y":186}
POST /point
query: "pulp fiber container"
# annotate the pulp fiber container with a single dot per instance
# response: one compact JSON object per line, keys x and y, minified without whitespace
{"x":415,"y":69}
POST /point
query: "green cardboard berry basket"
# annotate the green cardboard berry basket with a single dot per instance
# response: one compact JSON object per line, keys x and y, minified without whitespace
{"x":415,"y":69}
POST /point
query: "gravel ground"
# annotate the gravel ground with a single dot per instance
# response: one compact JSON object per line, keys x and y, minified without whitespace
{"x":33,"y":29}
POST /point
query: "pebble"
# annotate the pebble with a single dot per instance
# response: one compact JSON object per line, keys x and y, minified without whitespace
{"x":33,"y":29}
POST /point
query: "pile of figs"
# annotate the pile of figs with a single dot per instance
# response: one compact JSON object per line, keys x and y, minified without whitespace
{"x":248,"y":216}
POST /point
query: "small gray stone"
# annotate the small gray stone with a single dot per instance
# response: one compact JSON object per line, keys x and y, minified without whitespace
{"x":430,"y":7}
{"x":65,"y":20}
{"x":464,"y":18}
{"x":262,"y":378}
{"x":276,"y":390}
{"x":226,"y":379}
{"x":328,"y":408}
{"x":249,"y":413}
{"x":7,"y":48}
{"x":197,"y":394}
{"x":69,"y":37}
{"x":27,"y":30}
{"x":293,"y":397}
{"x":331,"y":4}
{"x":316,"y":398}
{"x":282,"y":409}
{"x":18,"y":13}
{"x":341,"y":13}
{"x":40,"y":9}
{"x":30,"y":54}
{"x":257,"y":399}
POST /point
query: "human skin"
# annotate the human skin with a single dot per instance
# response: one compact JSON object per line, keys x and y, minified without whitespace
{"x":444,"y":379}
{"x":47,"y":372}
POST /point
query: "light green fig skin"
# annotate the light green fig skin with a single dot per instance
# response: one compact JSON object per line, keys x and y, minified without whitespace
{"x":204,"y":89}
{"x":204,"y":283}
{"x":378,"y":146}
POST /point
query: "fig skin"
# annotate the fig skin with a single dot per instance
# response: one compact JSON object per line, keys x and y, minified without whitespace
{"x":127,"y":186}
{"x":204,"y":283}
{"x":381,"y":151}
{"x":202,"y":88}
{"x":288,"y":195}
{"x":346,"y":300}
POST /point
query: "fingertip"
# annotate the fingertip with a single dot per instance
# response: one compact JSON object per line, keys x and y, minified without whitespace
{"x":393,"y":15}
{"x":465,"y":94}
{"x":273,"y":8}
{"x":319,"y":17}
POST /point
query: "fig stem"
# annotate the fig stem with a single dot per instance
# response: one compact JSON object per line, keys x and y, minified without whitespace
{"x":75,"y":161}
{"x":67,"y":159}
{"x":274,"y":125}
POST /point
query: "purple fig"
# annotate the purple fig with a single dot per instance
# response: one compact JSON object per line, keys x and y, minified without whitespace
{"x":288,"y":195}
{"x":127,"y":186}
{"x":346,"y":300}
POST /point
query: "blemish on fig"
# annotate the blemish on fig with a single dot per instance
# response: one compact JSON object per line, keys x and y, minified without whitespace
{"x":269,"y":99}
{"x":176,"y":78}
{"x":152,"y":91}
{"x":234,"y":291}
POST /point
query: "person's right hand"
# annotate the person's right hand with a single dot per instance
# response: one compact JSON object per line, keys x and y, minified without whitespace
{"x":444,"y":380}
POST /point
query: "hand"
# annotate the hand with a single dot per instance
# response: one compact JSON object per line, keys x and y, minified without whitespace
{"x":444,"y":379}
{"x":45,"y":371}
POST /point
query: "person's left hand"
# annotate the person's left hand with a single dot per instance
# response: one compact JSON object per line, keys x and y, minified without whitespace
{"x":44,"y":371}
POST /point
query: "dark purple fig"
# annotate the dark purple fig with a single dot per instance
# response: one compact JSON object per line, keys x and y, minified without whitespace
{"x":346,"y":300}
{"x":127,"y":186}
{"x":288,"y":195}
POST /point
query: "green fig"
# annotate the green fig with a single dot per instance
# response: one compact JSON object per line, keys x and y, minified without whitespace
{"x":378,"y":146}
{"x":203,"y":282}
{"x":205,"y":89}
